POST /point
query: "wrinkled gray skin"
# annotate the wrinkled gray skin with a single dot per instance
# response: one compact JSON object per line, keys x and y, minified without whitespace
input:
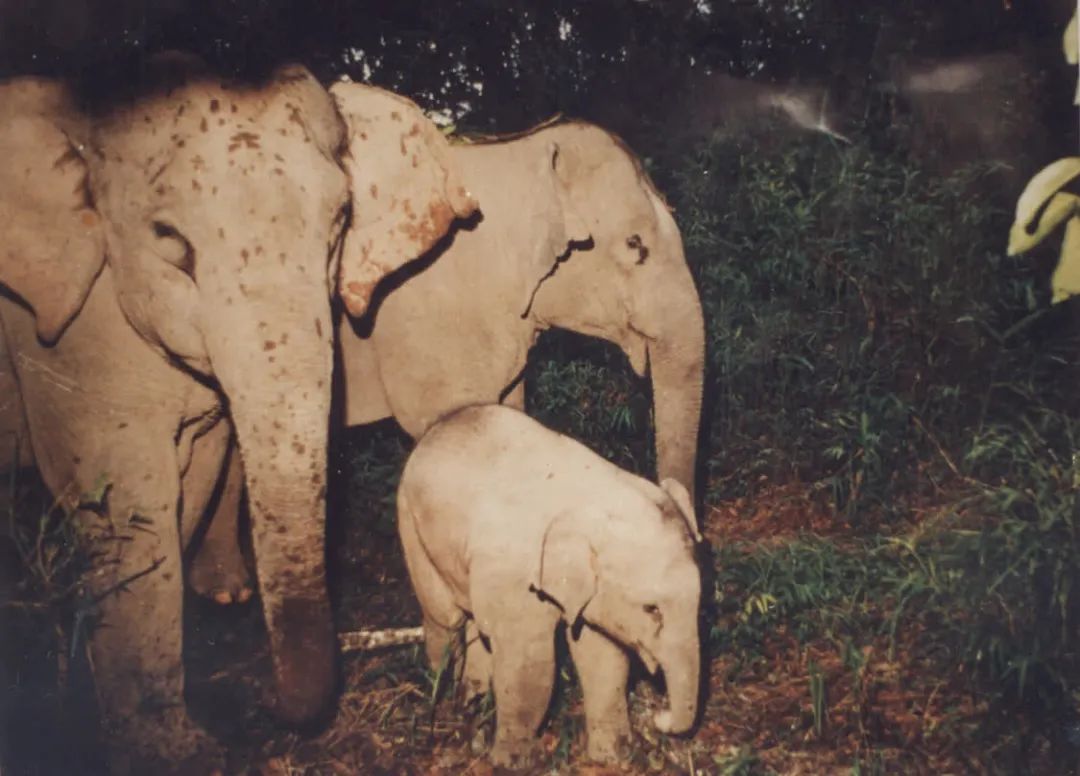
{"x":165,"y":262}
{"x":492,"y":508}
{"x":459,"y":332}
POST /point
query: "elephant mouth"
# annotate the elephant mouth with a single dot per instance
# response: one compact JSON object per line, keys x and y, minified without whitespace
{"x":647,"y":657}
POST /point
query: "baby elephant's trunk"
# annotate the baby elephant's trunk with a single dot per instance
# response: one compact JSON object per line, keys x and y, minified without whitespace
{"x":681,"y":673}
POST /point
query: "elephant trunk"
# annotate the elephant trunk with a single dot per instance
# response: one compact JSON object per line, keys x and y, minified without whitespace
{"x":676,"y":365}
{"x":682,"y":669}
{"x":279,"y":400}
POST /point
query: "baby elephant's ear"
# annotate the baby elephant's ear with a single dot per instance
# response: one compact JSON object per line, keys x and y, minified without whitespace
{"x":406,"y":188}
{"x":677,"y":493}
{"x":53,"y":244}
{"x":566,"y":574}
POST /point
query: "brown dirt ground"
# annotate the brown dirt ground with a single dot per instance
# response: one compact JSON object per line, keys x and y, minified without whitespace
{"x":893,"y":715}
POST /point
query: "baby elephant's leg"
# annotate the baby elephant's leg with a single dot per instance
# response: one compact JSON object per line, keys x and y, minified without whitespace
{"x":602,"y":667}
{"x":442,"y":617}
{"x":476,"y":678}
{"x":441,"y":644}
{"x":523,"y":673}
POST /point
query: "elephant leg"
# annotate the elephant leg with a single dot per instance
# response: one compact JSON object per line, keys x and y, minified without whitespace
{"x":441,"y":615}
{"x":441,"y":645}
{"x":603,"y":667}
{"x":133,"y":611}
{"x":217,"y":569}
{"x":477,"y":671}
{"x":523,"y":675}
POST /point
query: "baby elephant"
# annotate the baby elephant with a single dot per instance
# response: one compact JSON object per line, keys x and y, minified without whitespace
{"x":511,"y":528}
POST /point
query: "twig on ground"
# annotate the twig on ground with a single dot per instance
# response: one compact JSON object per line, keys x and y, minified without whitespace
{"x":365,"y":641}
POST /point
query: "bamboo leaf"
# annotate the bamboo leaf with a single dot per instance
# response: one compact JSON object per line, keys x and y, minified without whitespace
{"x":1066,"y":279}
{"x":1042,"y":206}
{"x":1071,"y":41}
{"x":1061,"y":208}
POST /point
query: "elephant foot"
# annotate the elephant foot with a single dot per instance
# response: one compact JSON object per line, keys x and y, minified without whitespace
{"x":223,"y":580}
{"x":165,"y":743}
{"x":515,"y":753}
{"x":609,"y":747}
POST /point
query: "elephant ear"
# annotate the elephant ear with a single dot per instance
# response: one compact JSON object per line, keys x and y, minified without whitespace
{"x":679,"y":495}
{"x":406,"y":190}
{"x":566,"y":162}
{"x":567,"y":572}
{"x":304,"y":98}
{"x":52,"y":243}
{"x":551,"y":185}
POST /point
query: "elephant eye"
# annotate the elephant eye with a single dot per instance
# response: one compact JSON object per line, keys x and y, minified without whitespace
{"x":654,"y":612}
{"x":174,"y":247}
{"x":634,"y":243}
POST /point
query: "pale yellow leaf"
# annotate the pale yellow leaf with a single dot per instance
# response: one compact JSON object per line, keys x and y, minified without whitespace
{"x":1066,"y":279}
{"x":1071,"y":44}
{"x":1025,"y":236}
{"x":1032,"y":223}
{"x":1072,"y":40}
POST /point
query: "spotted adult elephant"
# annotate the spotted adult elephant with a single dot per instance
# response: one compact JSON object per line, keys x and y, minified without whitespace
{"x":573,"y":236}
{"x":169,"y":260}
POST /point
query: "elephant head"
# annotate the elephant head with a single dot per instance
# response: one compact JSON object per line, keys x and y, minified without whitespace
{"x":405,"y":189}
{"x":633,"y":576}
{"x":631,"y":286}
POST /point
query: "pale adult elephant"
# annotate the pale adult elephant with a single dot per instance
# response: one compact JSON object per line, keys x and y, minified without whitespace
{"x":573,"y":236}
{"x":169,"y":260}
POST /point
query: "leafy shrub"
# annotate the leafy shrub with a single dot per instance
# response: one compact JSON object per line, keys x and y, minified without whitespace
{"x":853,"y":307}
